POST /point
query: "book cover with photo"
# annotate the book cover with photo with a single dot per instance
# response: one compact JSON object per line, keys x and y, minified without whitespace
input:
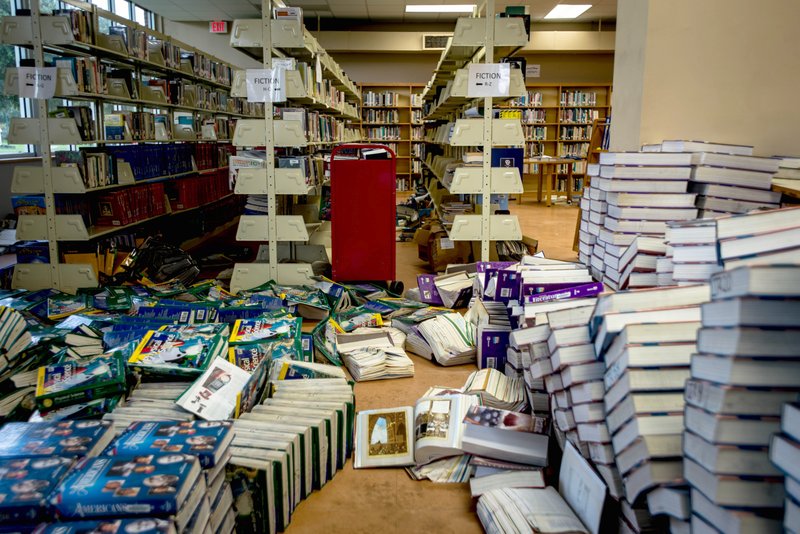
{"x":176,"y":353}
{"x":142,"y":525}
{"x":215,"y":395}
{"x":128,"y":485}
{"x":60,"y":438}
{"x":251,"y":330}
{"x":403,"y":436}
{"x":72,"y":382}
{"x":25,"y":484}
{"x":208,"y":440}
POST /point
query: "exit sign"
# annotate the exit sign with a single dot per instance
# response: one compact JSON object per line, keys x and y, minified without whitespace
{"x":219,"y":26}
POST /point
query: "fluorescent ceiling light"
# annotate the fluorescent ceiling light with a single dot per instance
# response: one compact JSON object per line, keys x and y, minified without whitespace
{"x":567,"y":11}
{"x":440,"y":8}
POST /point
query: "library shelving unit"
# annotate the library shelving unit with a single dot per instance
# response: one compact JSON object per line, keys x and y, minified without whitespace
{"x":135,"y":113}
{"x":449,"y":134}
{"x":557,"y":121}
{"x":324,"y":103}
{"x":391,"y":114}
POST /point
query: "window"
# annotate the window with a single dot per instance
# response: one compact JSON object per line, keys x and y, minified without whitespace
{"x":122,"y":8}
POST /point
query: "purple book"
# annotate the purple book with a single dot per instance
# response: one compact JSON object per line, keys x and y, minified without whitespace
{"x":427,"y":290}
{"x":574,"y":292}
{"x":535,"y":289}
{"x":508,"y":283}
{"x":493,"y":350}
{"x":483,"y":266}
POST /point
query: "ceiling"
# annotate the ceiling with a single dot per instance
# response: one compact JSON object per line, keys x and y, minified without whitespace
{"x":377,"y":11}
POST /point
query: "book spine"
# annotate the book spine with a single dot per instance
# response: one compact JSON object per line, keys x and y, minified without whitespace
{"x":581,"y":291}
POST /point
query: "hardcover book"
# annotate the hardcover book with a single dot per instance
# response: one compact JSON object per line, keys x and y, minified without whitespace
{"x":25,"y":484}
{"x":176,"y":353}
{"x":117,"y":486}
{"x":143,"y":525}
{"x":62,"y":438}
{"x":73,"y":382}
{"x":208,"y":440}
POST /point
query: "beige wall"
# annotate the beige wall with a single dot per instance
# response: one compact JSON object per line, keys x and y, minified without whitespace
{"x":418,"y":68}
{"x":720,"y":70}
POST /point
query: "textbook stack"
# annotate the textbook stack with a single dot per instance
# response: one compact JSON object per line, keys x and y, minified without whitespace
{"x":744,"y":370}
{"x":209,"y":441}
{"x":788,"y":168}
{"x":645,"y":338}
{"x":692,"y":255}
{"x":290,"y":445}
{"x":632,"y":196}
{"x":783,"y":449}
{"x":729,"y":179}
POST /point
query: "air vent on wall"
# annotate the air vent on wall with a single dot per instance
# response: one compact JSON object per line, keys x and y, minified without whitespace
{"x":435,"y":41}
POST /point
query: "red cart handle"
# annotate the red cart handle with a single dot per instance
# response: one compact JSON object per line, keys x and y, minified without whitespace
{"x":358,"y":146}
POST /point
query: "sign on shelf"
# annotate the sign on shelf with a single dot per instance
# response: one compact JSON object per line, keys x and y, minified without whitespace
{"x":37,"y":82}
{"x":266,"y":85}
{"x":489,"y":79}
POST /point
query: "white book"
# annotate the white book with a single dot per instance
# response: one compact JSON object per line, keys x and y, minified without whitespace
{"x":651,"y":474}
{"x":507,"y":479}
{"x":583,"y":490}
{"x":214,"y":396}
{"x":655,"y":200}
{"x":643,"y":403}
{"x":651,"y":426}
{"x":644,"y":158}
{"x":732,"y":521}
{"x":652,"y":214}
{"x":728,"y":459}
{"x":649,"y":448}
{"x":732,"y":177}
{"x":633,"y":380}
{"x":734,"y":161}
{"x":680,"y":145}
{"x":735,"y":491}
{"x":614,"y":185}
{"x":644,"y":172}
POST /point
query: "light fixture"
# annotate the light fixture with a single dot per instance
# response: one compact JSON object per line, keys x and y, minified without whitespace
{"x":567,"y":11}
{"x":440,"y":8}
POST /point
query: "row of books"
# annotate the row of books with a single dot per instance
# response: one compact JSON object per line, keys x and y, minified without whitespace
{"x":195,"y":191}
{"x":380,"y":115}
{"x":534,"y":116}
{"x":382,"y":98}
{"x":323,"y":89}
{"x":389,"y":133}
{"x":580,"y":116}
{"x":130,"y":205}
{"x":530,"y":98}
{"x":578,"y":98}
{"x":576,"y":133}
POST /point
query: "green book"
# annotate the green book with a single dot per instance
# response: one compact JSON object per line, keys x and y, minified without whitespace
{"x":73,"y":382}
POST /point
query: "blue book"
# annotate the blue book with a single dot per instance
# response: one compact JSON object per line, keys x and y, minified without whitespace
{"x":25,"y":484}
{"x":208,"y":440}
{"x":61,"y":438}
{"x":167,"y":486}
{"x":143,"y":525}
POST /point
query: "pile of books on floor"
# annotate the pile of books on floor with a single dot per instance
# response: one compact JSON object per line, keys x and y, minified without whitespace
{"x":289,"y":445}
{"x":783,"y":453}
{"x":165,"y":474}
{"x":744,"y":370}
{"x":453,"y":434}
{"x":645,"y":339}
{"x":631,"y":197}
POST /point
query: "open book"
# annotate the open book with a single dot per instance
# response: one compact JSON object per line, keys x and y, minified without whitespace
{"x":404,"y":436}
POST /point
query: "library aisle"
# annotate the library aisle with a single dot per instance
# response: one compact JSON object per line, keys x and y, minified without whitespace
{"x":388,"y":501}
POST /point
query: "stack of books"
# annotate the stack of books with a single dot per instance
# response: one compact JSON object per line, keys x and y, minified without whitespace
{"x":788,"y":168}
{"x":290,"y":445}
{"x":209,"y":441}
{"x":372,"y":354}
{"x":759,"y":238}
{"x":783,"y":452}
{"x":636,"y":193}
{"x":645,"y":339}
{"x":492,"y":328}
{"x":692,"y":255}
{"x":728,"y":183}
{"x":153,"y":400}
{"x":745,"y":369}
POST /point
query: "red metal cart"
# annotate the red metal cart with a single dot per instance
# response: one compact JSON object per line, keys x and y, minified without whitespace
{"x":363,"y":214}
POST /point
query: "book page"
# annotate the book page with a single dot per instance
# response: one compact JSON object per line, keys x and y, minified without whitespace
{"x":582,"y":488}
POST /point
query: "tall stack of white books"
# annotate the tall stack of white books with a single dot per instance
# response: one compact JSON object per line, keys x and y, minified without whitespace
{"x":643,"y":190}
{"x":746,"y":367}
{"x":645,"y":339}
{"x":593,"y":212}
{"x":784,"y":451}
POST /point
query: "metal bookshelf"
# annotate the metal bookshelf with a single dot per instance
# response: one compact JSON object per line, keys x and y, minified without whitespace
{"x":476,"y":39}
{"x":264,"y":38}
{"x":53,"y":34}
